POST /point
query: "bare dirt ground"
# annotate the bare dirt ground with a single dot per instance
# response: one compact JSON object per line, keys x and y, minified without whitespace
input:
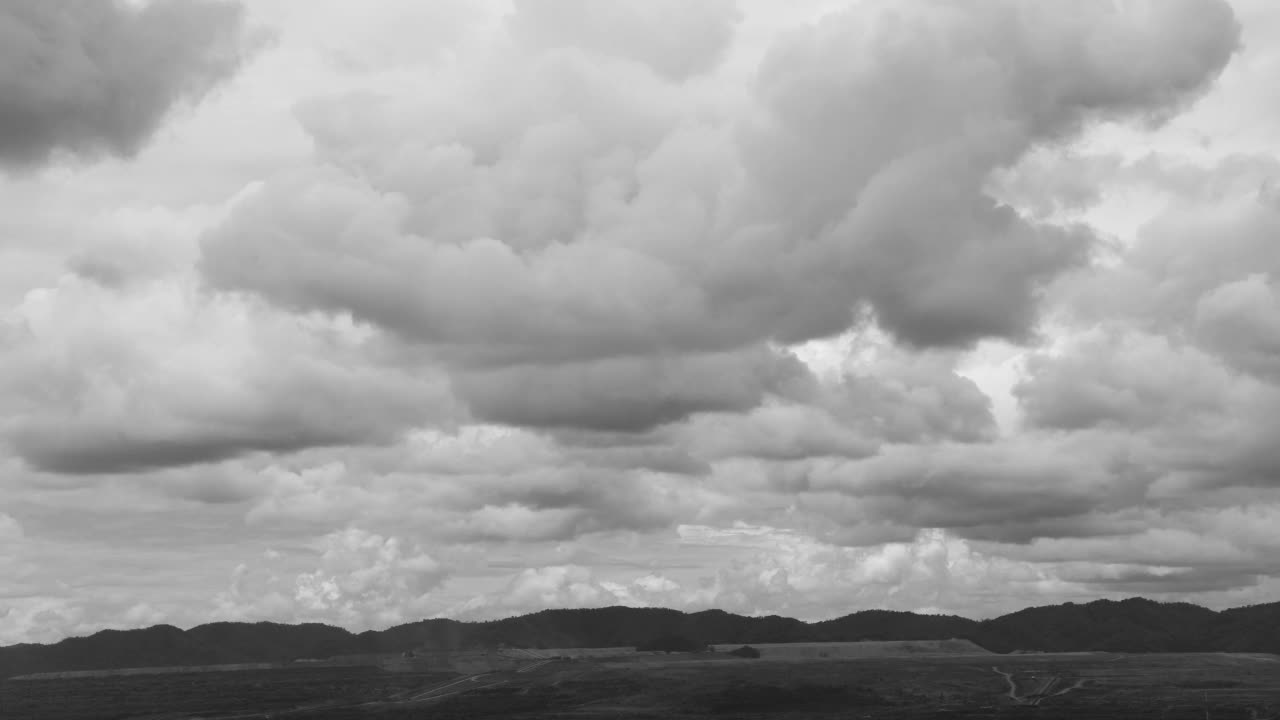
{"x":1089,"y":686}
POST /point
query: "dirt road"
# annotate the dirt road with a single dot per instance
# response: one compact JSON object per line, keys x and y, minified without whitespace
{"x":1045,"y":688}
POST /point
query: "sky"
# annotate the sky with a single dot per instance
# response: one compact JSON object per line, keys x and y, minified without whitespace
{"x":363,"y":313}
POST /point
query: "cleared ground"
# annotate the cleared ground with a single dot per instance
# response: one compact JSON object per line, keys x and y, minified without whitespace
{"x":1078,"y":686}
{"x":866,"y":649}
{"x":253,"y":693}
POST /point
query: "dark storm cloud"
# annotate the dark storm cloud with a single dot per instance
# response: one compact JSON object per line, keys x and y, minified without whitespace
{"x":881,"y":145}
{"x":1085,"y":523}
{"x":555,"y":210}
{"x":631,"y":394}
{"x":117,"y":450}
{"x":94,"y":78}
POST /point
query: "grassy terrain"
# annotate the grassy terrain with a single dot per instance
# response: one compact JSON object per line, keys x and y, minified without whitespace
{"x":199,"y":694}
{"x":1080,"y":687}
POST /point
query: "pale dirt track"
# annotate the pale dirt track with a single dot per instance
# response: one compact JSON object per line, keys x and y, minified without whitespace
{"x":1051,"y":686}
{"x":417,"y":696}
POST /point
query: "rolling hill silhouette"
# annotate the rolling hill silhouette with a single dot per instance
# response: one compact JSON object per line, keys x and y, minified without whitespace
{"x":1134,"y":625}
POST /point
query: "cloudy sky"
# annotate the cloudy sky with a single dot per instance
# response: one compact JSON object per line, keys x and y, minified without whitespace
{"x":314,"y":310}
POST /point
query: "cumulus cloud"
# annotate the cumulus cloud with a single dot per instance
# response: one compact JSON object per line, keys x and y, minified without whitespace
{"x":573,"y":276}
{"x":982,"y":88}
{"x":1212,"y":547}
{"x":773,"y":571}
{"x":10,"y":529}
{"x":560,"y":500}
{"x":1171,"y":344}
{"x":362,"y":580}
{"x":103,"y":382}
{"x":597,"y":233}
{"x":554,"y":586}
{"x":1201,"y":242}
{"x":39,"y":620}
{"x":994,"y":491}
{"x":1125,"y":379}
{"x":402,"y":34}
{"x":777,"y":431}
{"x":47,"y":617}
{"x":673,"y":38}
{"x":627,"y":394}
{"x":895,"y":397}
{"x":1240,"y":321}
{"x":98,"y":78}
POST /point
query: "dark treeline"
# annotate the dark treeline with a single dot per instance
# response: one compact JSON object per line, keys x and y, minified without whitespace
{"x":1135,"y":625}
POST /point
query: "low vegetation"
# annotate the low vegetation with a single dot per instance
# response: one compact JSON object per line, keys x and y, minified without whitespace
{"x":693,"y":686}
{"x":1135,"y":625}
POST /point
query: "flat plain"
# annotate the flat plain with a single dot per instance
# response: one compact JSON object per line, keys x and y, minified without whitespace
{"x":1083,"y":686}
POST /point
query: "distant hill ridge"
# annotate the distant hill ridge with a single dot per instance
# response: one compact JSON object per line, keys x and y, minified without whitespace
{"x":1134,"y":625}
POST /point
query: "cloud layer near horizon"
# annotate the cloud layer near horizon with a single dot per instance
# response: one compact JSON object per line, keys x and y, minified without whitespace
{"x":805,"y":311}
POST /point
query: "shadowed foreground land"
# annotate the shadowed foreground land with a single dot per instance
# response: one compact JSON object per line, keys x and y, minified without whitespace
{"x":1135,"y":625}
{"x":1082,"y":686}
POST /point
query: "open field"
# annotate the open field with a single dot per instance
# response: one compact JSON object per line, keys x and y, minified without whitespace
{"x":868,"y":648}
{"x":199,"y":694}
{"x":1083,"y":686}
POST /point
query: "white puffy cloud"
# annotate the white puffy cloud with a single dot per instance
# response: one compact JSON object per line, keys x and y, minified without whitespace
{"x":1200,"y":242}
{"x":1123,"y":378}
{"x":765,"y":570}
{"x":1169,"y":347}
{"x":401,"y":35}
{"x":363,"y":580}
{"x":554,"y":586}
{"x":672,"y":38}
{"x":38,"y":620}
{"x":893,"y":397}
{"x":1240,"y":320}
{"x":98,"y":380}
